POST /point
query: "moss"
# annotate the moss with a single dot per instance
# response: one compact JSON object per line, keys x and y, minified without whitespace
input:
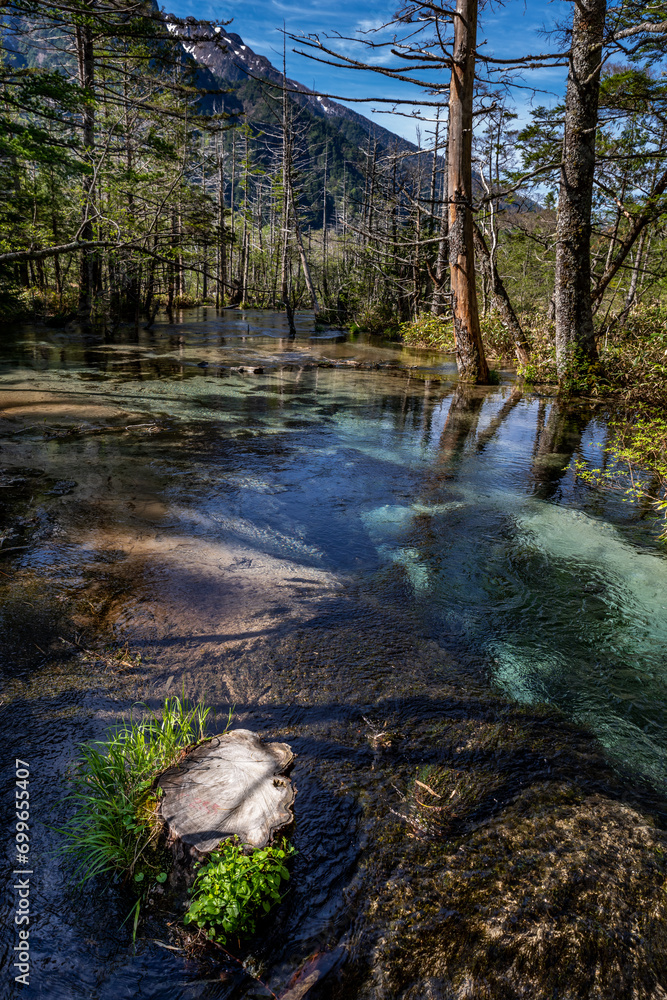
{"x":561,"y":895}
{"x":510,"y":867}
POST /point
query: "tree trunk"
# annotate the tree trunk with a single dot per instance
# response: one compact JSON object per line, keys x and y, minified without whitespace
{"x":575,"y":336}
{"x":86,"y":61}
{"x":501,"y":299}
{"x":325,"y":287}
{"x":634,"y":280}
{"x":469,"y":350}
{"x":222,"y":249}
{"x":438,"y":304}
{"x":650,"y":212}
{"x":302,"y":253}
{"x":286,"y":169}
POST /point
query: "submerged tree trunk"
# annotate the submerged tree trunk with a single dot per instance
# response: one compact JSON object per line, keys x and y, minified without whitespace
{"x":575,"y":337}
{"x":469,"y":350}
{"x":233,"y":785}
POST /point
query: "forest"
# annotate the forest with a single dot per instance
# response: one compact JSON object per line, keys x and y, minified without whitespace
{"x":261,"y":203}
{"x":334,"y":480}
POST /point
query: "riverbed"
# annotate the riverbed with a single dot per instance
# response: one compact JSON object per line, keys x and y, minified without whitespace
{"x":399,"y":576}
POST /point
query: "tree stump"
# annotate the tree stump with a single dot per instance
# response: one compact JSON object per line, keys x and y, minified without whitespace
{"x":232,"y":785}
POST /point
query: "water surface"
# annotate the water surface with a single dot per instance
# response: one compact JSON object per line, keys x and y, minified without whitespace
{"x":317,"y":546}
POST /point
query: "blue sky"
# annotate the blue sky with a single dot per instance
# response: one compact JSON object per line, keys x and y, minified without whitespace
{"x":507,"y":30}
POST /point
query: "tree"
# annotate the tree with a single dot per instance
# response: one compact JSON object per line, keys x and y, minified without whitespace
{"x":470,"y":357}
{"x":455,"y":48}
{"x":575,"y":334}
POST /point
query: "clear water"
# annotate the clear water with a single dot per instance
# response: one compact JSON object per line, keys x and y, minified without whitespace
{"x":240,"y":507}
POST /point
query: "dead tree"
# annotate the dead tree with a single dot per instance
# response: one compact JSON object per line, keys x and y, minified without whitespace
{"x":469,"y":349}
{"x":501,"y":299}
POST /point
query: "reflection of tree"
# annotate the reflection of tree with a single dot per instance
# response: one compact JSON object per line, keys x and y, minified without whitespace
{"x":431,"y":397}
{"x":460,"y":426}
{"x":503,"y":413}
{"x":461,"y":422}
{"x":556,"y":440}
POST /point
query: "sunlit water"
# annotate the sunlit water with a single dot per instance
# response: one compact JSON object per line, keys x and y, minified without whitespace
{"x":249,"y":502}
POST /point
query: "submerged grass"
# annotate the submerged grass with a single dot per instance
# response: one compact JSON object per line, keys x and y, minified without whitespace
{"x":114,"y":822}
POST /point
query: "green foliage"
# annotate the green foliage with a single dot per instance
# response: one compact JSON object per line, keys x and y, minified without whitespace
{"x":636,"y":465}
{"x":634,"y":358}
{"x":497,"y":340}
{"x":114,"y":818}
{"x":378,"y":318}
{"x":428,"y":330}
{"x":541,"y":369}
{"x":233,"y":889}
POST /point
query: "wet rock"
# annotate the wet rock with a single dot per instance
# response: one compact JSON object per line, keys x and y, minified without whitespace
{"x":62,"y":487}
{"x":232,"y":785}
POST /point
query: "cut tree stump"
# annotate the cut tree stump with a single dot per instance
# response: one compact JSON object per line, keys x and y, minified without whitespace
{"x":232,"y":785}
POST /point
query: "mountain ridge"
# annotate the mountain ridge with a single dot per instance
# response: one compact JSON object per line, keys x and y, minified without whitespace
{"x":235,"y":62}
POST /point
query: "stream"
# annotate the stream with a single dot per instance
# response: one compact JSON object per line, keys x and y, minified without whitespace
{"x":336,"y":540}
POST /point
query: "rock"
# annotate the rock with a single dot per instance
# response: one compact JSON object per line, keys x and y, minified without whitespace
{"x":232,"y":785}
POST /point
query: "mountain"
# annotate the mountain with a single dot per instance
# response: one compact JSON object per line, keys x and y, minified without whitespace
{"x":229,"y":59}
{"x":348,"y":135}
{"x":326,"y":130}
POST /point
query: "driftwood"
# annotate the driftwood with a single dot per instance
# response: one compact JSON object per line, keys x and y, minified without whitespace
{"x":313,"y":972}
{"x":232,"y":785}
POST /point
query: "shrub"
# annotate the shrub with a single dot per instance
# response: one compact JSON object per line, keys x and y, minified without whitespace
{"x":379,"y":318}
{"x":233,"y":889}
{"x":497,"y":340}
{"x":115,"y":822}
{"x":428,"y":330}
{"x":636,"y":466}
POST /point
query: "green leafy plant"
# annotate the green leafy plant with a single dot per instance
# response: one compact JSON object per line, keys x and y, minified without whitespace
{"x":428,"y":330}
{"x":232,"y":889}
{"x":114,"y":822}
{"x":636,"y":464}
{"x":498,"y":342}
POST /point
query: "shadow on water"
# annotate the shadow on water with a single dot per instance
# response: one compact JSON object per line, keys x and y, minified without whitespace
{"x":398,"y":576}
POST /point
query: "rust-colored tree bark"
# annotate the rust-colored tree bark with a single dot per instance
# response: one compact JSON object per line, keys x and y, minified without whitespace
{"x":470,"y":358}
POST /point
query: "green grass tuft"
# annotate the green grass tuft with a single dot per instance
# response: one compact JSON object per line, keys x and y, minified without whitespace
{"x":114,"y":820}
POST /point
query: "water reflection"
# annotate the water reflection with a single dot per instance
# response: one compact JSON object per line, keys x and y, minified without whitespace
{"x":294,"y":540}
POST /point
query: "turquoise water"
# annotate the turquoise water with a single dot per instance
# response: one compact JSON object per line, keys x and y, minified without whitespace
{"x":229,"y":506}
{"x":560,"y":590}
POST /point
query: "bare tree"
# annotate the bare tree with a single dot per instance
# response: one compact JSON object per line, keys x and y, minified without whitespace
{"x":470,"y":357}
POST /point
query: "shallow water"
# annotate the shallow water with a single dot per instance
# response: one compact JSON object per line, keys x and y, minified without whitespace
{"x":316,"y":546}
